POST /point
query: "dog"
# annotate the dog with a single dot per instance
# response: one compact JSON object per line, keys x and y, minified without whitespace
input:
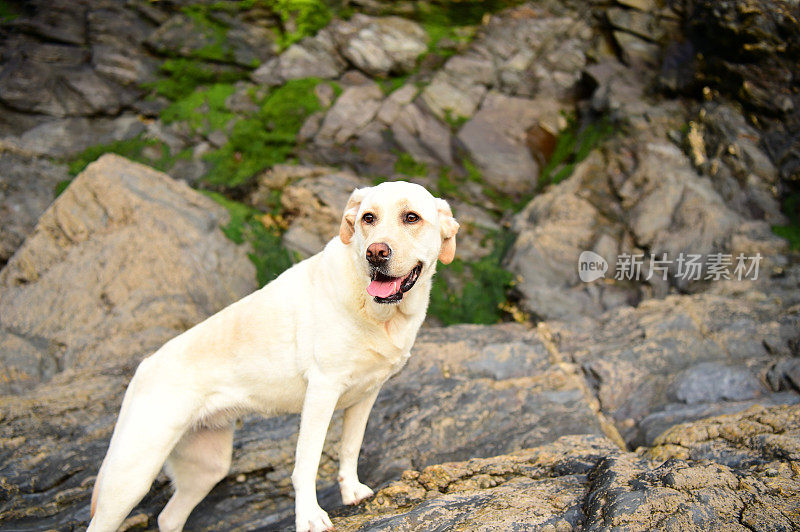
{"x":324,"y":335}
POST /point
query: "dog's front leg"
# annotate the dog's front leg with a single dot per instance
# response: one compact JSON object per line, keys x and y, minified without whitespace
{"x":355,"y":422}
{"x":318,"y":407}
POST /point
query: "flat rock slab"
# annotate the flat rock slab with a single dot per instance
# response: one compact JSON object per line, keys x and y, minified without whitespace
{"x":123,"y":260}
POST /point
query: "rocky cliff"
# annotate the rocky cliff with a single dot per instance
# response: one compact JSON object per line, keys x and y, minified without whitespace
{"x":626,"y":128}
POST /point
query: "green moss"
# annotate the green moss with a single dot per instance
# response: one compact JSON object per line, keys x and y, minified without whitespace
{"x":266,"y":139}
{"x":484,"y":288}
{"x":181,"y":76}
{"x":60,"y":187}
{"x":9,"y":11}
{"x":300,"y":18}
{"x":573,"y":145}
{"x":204,"y":109}
{"x":389,"y":85}
{"x":214,"y":32}
{"x":791,"y":232}
{"x":407,"y":165}
{"x":269,"y":256}
{"x":134,"y":149}
{"x":456,"y":121}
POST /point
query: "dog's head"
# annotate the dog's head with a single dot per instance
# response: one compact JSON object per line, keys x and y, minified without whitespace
{"x":398,"y":230}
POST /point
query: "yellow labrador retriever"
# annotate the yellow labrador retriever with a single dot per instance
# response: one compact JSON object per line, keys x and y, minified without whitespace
{"x":326,"y":334}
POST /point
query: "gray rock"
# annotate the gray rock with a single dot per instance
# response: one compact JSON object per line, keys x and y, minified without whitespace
{"x":495,"y":140}
{"x":380,"y":46}
{"x":394,"y":103}
{"x":102,"y":267}
{"x":641,"y":360}
{"x":243,"y":44}
{"x":552,"y":231}
{"x":65,"y":137}
{"x":62,"y":90}
{"x":354,"y":109}
{"x":657,"y":423}
{"x":27,"y":187}
{"x":712,"y":381}
{"x":312,"y":57}
{"x":422,"y":135}
{"x":536,"y":56}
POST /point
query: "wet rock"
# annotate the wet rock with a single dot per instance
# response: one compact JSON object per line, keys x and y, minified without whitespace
{"x":100,"y":235}
{"x":380,"y":46}
{"x":27,"y":187}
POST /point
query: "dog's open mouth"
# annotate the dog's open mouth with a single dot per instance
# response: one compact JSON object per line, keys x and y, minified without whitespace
{"x":386,"y":289}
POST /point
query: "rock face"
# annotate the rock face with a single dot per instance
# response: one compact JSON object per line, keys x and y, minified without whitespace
{"x":688,"y":357}
{"x":27,"y":186}
{"x":103,"y":266}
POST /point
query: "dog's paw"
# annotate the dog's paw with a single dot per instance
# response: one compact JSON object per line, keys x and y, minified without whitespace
{"x":313,"y":520}
{"x":354,"y":492}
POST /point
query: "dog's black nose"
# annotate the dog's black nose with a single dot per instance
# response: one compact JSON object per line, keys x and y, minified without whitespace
{"x":378,"y":253}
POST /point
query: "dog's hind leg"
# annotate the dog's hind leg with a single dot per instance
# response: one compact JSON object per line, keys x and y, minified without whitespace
{"x":150,"y":425}
{"x":200,"y":460}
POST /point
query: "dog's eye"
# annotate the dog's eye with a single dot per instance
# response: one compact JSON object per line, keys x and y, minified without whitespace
{"x":411,"y":218}
{"x":368,"y":217}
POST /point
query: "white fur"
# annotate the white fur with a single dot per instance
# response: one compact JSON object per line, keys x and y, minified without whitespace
{"x":311,"y":341}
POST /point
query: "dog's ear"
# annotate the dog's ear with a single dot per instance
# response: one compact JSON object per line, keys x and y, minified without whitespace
{"x":348,"y":227}
{"x":449,"y":227}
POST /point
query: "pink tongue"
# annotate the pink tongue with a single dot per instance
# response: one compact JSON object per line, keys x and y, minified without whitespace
{"x":384,"y":288}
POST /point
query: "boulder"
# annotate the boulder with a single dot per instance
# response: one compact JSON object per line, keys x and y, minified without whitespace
{"x":123,"y":260}
{"x":494,"y":139}
{"x":380,"y":46}
{"x":224,"y":39}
